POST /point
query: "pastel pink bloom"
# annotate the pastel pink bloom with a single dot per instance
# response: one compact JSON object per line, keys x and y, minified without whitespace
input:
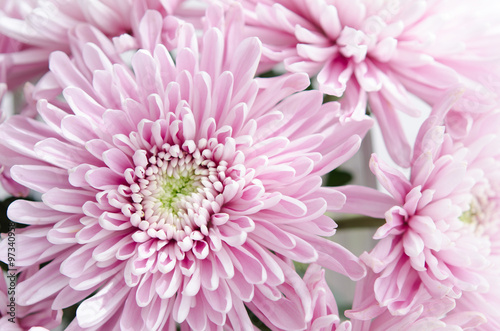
{"x":36,"y":317}
{"x":170,"y":189}
{"x":324,"y":308}
{"x":433,"y":242}
{"x":27,"y":63}
{"x":481,"y":135}
{"x":430,"y":315}
{"x":31,"y":29}
{"x":384,"y":53}
{"x":488,"y":302}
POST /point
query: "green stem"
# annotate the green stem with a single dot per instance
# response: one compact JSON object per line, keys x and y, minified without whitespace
{"x":359,"y":222}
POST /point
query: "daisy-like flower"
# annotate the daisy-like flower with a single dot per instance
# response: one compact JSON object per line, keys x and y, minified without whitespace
{"x":170,"y":189}
{"x":384,"y":53}
{"x":433,"y":243}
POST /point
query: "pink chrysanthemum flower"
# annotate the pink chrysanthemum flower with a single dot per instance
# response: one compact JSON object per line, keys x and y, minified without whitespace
{"x":31,"y":30}
{"x":14,"y":317}
{"x":325,"y":314}
{"x":168,"y":189}
{"x":430,"y":314}
{"x":482,"y":136}
{"x":16,"y":54}
{"x":433,"y":242}
{"x":384,"y":53}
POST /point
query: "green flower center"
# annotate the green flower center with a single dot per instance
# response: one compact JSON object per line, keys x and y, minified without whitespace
{"x":483,"y":207}
{"x":469,"y":216}
{"x":175,"y":193}
{"x":172,"y":189}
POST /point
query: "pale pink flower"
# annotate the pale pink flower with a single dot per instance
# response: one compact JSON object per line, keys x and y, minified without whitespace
{"x":486,"y":303}
{"x":31,"y":29}
{"x":482,"y":136}
{"x":431,"y":315}
{"x":434,"y":241}
{"x":15,"y":317}
{"x":384,"y":53}
{"x":324,"y":307}
{"x":16,"y":54}
{"x":169,"y":189}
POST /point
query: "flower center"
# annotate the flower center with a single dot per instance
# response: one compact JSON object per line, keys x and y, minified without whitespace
{"x":175,"y":192}
{"x":170,"y":190}
{"x":353,"y":43}
{"x":483,"y":208}
{"x":470,"y":216}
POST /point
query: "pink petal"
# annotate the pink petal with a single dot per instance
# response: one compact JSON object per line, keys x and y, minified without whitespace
{"x":213,"y":50}
{"x":336,"y":257}
{"x":66,"y":73}
{"x":393,"y":180}
{"x":67,"y":200}
{"x":40,"y":178}
{"x":33,"y":212}
{"x":333,"y":77}
{"x":251,"y":268}
{"x":244,"y":65}
{"x":61,"y":154}
{"x":220,"y":300}
{"x":366,"y":201}
{"x":77,"y":129}
{"x":392,"y":131}
{"x":95,"y":277}
{"x":150,"y":29}
{"x":42,"y":284}
{"x":101,"y":306}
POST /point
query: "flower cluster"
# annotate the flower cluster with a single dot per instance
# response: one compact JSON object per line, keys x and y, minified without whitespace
{"x":175,"y":156}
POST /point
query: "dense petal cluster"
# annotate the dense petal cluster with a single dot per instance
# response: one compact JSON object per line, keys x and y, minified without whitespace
{"x":441,"y":226}
{"x":325,"y":315}
{"x":173,"y":160}
{"x":482,"y":140}
{"x":31,"y":30}
{"x":384,"y":53}
{"x":430,"y":315}
{"x":174,"y":190}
